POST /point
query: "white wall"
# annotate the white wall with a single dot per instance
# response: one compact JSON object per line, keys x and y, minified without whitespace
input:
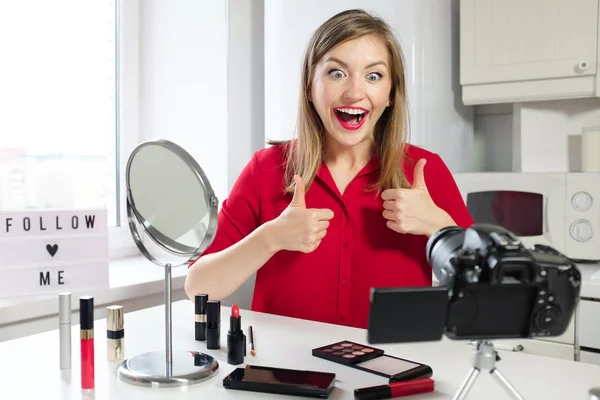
{"x":202,"y":81}
{"x":183,"y":80}
{"x":246,"y":97}
{"x":540,"y":136}
{"x":550,"y":134}
{"x":492,"y":142}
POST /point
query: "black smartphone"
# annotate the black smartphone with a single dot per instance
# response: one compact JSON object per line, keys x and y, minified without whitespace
{"x":294,"y":382}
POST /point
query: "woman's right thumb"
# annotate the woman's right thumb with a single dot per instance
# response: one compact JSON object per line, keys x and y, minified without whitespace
{"x":298,"y":199}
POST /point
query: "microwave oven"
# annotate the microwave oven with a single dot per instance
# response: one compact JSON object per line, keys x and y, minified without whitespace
{"x":558,"y":209}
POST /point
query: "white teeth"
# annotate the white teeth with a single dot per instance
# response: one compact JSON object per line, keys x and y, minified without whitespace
{"x":353,"y":111}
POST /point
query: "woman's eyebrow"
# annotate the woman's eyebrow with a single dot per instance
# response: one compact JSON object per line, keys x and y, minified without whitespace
{"x":380,"y":62}
{"x":343,"y":64}
{"x":337,"y":60}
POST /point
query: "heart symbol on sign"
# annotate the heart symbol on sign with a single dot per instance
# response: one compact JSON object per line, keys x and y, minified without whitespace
{"x":52,"y":249}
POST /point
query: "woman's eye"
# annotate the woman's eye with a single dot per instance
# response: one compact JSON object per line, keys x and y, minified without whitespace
{"x":336,"y":73}
{"x":374,"y":76}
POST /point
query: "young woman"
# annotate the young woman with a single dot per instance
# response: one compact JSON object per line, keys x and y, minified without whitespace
{"x":345,"y":207}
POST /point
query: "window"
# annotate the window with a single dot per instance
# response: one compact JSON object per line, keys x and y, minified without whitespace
{"x":62,"y":139}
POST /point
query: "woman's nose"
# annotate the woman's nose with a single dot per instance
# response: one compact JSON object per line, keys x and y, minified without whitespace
{"x":354,"y":90}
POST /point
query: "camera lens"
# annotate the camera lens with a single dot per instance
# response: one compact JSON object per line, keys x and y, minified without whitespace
{"x":441,"y":247}
{"x":546,"y":318}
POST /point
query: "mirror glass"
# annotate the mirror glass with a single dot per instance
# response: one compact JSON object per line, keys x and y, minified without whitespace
{"x":171,"y":197}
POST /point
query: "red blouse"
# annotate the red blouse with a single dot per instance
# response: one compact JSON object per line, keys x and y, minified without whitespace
{"x":359,"y":252}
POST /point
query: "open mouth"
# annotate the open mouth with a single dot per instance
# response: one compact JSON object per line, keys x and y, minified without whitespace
{"x":351,"y":117}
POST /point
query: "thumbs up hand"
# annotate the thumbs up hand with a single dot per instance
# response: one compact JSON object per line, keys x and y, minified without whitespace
{"x":299,"y":228}
{"x":412,"y":210}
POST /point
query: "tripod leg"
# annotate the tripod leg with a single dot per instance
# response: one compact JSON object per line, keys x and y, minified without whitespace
{"x":467,"y":384}
{"x":506,"y":384}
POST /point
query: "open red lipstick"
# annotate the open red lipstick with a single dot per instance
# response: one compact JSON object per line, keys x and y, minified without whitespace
{"x":236,"y":340}
{"x":351,"y":118}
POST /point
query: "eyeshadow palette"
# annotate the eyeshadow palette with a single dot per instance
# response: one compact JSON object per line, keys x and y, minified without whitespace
{"x":373,"y":360}
{"x":347,"y":352}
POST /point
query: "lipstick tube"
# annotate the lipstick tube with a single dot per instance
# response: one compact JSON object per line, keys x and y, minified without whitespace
{"x":200,"y":316}
{"x":115,"y":333}
{"x":64,"y":329}
{"x":213,"y":324}
{"x":86,"y":322}
{"x":236,"y":340}
{"x":395,"y":389}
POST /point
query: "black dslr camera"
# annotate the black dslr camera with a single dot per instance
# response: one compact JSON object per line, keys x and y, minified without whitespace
{"x":498,"y":288}
{"x":491,"y":287}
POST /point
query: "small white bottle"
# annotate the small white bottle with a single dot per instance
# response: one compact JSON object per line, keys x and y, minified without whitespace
{"x":64,"y":329}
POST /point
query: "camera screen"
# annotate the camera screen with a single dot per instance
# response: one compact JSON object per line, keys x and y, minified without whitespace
{"x":519,"y":212}
{"x":387,"y":365}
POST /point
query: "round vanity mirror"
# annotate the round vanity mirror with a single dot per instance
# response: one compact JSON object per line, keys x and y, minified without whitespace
{"x":169,"y":195}
{"x":172,"y":210}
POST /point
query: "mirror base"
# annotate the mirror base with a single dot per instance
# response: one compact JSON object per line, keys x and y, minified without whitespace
{"x":150,"y":369}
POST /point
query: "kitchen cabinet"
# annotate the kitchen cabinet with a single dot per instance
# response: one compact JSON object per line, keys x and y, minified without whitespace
{"x":528,"y":50}
{"x":589,"y":357}
{"x":589,"y":331}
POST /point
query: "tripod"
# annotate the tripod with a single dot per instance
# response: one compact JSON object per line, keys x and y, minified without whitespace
{"x":485,"y":357}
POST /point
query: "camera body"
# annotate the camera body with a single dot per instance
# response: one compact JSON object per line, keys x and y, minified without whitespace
{"x":498,"y":288}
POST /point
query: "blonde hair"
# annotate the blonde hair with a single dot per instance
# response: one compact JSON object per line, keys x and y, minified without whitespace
{"x":304,"y":155}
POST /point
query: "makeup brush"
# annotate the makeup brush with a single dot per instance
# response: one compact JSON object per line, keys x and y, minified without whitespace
{"x":252,"y":341}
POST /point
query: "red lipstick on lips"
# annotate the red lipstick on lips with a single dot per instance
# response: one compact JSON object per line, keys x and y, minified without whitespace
{"x":349,"y":121}
{"x":86,"y":322}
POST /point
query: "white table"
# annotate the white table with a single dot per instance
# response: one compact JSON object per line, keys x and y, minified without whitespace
{"x":29,"y":366}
